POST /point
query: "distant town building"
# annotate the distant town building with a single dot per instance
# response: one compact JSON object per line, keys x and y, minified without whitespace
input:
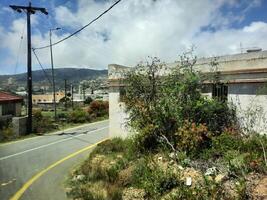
{"x":242,"y":76}
{"x":46,"y":98}
{"x":10,"y":105}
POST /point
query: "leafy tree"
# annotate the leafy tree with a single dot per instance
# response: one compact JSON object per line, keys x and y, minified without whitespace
{"x":160,"y":100}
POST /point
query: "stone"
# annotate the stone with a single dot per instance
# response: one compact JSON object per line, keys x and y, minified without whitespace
{"x":211,"y":171}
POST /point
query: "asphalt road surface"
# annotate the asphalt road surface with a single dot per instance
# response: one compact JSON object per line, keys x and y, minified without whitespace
{"x":37,"y":168}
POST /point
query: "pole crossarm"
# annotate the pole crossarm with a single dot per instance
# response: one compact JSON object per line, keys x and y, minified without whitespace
{"x":28,"y":9}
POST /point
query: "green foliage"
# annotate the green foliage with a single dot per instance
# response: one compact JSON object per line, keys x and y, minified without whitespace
{"x":191,"y":137}
{"x":41,"y":124}
{"x":152,"y":179}
{"x":77,"y":116}
{"x":7,"y":132}
{"x":114,"y":145}
{"x":159,"y":105}
{"x":88,"y":100}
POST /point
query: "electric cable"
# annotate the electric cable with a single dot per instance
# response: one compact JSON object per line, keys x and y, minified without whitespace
{"x":79,"y":30}
{"x":38,"y":60}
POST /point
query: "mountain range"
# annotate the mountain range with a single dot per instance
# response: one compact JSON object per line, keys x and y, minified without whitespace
{"x":41,"y":78}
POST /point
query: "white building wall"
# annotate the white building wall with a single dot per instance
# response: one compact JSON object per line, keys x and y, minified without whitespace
{"x":251,"y":107}
{"x":118,"y":118}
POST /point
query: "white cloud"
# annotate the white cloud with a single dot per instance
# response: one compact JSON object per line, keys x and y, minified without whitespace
{"x":135,"y":29}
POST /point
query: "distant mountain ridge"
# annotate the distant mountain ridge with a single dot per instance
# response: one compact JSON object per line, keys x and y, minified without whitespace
{"x":72,"y":75}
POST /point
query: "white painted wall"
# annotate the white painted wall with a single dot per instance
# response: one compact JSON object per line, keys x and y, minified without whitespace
{"x":251,"y":108}
{"x":117,"y":119}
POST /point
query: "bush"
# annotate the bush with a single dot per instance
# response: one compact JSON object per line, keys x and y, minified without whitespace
{"x":77,"y":116}
{"x":88,"y":100}
{"x":98,"y":108}
{"x":7,"y":132}
{"x":191,"y":137}
{"x":160,"y":105}
{"x":153,"y":179}
{"x":41,"y":124}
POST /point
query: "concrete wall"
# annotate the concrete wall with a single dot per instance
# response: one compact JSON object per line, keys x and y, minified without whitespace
{"x":18,"y":109}
{"x":251,"y":107}
{"x":19,"y":125}
{"x":118,"y":117}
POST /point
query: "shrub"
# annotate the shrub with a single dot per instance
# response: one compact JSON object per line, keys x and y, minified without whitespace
{"x":77,"y":116}
{"x":191,"y":137}
{"x":7,"y":132}
{"x":98,"y":108}
{"x":88,"y":100}
{"x":114,"y":145}
{"x":153,"y":179}
{"x":159,"y":106}
{"x":41,"y":124}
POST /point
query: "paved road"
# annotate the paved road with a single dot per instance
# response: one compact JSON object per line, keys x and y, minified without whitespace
{"x":22,"y":160}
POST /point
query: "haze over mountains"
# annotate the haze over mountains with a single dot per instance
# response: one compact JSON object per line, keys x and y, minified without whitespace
{"x":72,"y":75}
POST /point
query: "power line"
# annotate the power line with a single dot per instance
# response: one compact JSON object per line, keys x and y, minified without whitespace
{"x":79,"y":30}
{"x":38,"y":60}
{"x":19,"y":48}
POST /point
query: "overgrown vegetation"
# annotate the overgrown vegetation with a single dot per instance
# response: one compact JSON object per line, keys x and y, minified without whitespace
{"x":44,"y":123}
{"x":186,"y":146}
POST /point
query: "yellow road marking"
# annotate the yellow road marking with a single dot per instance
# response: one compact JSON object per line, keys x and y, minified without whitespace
{"x":20,"y":192}
{"x":52,"y":133}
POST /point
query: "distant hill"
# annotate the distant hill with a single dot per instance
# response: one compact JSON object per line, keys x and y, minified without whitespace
{"x":73,"y":76}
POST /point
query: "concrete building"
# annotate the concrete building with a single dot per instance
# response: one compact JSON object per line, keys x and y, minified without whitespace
{"x":242,"y":76}
{"x":46,"y":98}
{"x":10,"y":105}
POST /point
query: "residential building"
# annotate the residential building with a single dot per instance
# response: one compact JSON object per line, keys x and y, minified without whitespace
{"x":10,"y":105}
{"x":241,"y":76}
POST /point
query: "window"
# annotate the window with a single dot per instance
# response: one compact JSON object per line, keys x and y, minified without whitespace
{"x":220,"y":91}
{"x":9,"y":109}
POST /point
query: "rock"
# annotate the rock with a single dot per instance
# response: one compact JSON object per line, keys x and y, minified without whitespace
{"x":180,"y":167}
{"x":219,"y":178}
{"x":211,"y":171}
{"x":172,"y":155}
{"x":133,"y":194}
{"x":160,"y":158}
{"x":79,"y":177}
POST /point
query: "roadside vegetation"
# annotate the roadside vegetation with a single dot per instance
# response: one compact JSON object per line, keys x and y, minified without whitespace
{"x":184,"y":145}
{"x":43,"y":121}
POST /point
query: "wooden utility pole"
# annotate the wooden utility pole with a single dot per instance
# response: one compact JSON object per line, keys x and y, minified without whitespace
{"x":65,"y":84}
{"x":53,"y":74}
{"x":29,"y":10}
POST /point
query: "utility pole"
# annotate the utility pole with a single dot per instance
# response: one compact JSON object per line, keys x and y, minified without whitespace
{"x":71,"y":96}
{"x":65,"y":81}
{"x":29,"y":10}
{"x":53,"y":75}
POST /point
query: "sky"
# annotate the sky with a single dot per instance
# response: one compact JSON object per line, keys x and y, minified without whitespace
{"x":131,"y":32}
